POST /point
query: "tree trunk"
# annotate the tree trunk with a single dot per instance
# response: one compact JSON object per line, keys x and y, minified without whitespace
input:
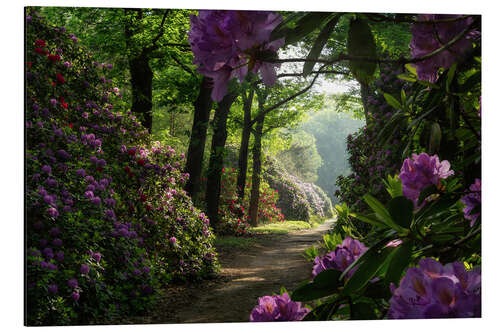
{"x":365,"y":92}
{"x":141,"y":79}
{"x":245,"y":139}
{"x":196,"y":150}
{"x":257,"y":166}
{"x":216,"y":162}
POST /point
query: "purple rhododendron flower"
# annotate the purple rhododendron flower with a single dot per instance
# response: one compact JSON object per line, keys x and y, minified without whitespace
{"x":47,"y":169}
{"x":96,"y":256}
{"x":430,"y":37}
{"x":84,"y":269}
{"x":225,"y":44}
{"x":75,"y":296}
{"x":420,"y":172}
{"x":278,"y":308}
{"x":52,"y":212}
{"x":52,"y":288}
{"x":436,"y":291}
{"x":341,"y":258}
{"x":72,"y":283}
{"x":472,"y":200}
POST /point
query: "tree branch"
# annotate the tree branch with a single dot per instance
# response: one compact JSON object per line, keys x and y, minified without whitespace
{"x":182,"y":65}
{"x":154,"y":46}
{"x":343,"y":56}
{"x":262,"y":114}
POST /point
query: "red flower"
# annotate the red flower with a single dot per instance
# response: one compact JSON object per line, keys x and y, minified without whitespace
{"x":141,"y":162}
{"x":53,"y":83}
{"x":127,"y":169}
{"x":40,"y":43}
{"x":143,"y":198}
{"x":60,"y":78}
{"x":99,"y":169}
{"x":39,"y":50}
{"x":148,"y":207}
{"x":29,"y":63}
{"x":70,"y":125}
{"x":131,"y":152}
{"x":54,"y":57}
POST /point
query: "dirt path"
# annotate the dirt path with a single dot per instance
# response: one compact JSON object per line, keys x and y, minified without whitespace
{"x":246,"y":275}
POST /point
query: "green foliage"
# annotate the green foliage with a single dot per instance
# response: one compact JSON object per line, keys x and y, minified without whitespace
{"x":360,"y":43}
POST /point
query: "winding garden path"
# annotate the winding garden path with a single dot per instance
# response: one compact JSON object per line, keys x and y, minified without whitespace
{"x":246,"y":275}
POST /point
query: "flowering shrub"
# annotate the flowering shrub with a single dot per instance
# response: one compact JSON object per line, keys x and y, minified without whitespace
{"x":278,"y":308}
{"x":436,"y":291}
{"x":298,"y":200}
{"x":372,"y":160}
{"x":229,"y":43}
{"x":102,"y":234}
{"x":235,"y":214}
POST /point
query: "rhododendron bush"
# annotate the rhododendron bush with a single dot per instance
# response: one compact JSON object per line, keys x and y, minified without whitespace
{"x":298,"y":200}
{"x":108,"y":222}
{"x":234,"y":212}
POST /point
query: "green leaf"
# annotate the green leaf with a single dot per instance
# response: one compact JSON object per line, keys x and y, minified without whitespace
{"x":429,"y":190}
{"x":360,"y":43}
{"x":407,"y":77}
{"x":363,"y":311}
{"x":401,"y":210}
{"x":399,"y":261}
{"x":411,"y":69}
{"x":324,"y":284}
{"x":368,"y":220}
{"x":392,"y":101}
{"x":319,"y":44}
{"x":282,"y":28}
{"x":328,"y":278}
{"x":307,"y":24}
{"x":403,"y":96}
{"x":450,"y":76}
{"x":311,"y":292}
{"x":367,"y":270}
{"x":381,"y":212}
{"x":434,"y":138}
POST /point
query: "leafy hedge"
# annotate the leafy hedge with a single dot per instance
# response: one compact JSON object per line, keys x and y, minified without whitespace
{"x":107,"y":222}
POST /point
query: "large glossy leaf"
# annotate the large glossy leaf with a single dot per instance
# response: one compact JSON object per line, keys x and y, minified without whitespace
{"x":429,"y":190}
{"x":381,"y":212}
{"x":368,"y":220}
{"x":307,"y":24}
{"x":324,"y":284}
{"x":363,"y":311}
{"x":360,"y":43}
{"x":399,"y":261}
{"x":367,"y":270}
{"x":319,"y":43}
{"x":434,"y":138}
{"x":327,"y":278}
{"x":282,"y":29}
{"x":401,"y":210}
{"x":392,"y":101}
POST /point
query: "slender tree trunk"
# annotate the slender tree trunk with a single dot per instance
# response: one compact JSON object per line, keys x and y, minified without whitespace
{"x":245,"y":139}
{"x":196,"y":150}
{"x":365,"y":92}
{"x":257,"y":167}
{"x":141,"y":79}
{"x":216,"y":162}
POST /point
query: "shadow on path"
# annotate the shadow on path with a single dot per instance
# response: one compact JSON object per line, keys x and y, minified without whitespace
{"x":246,"y":275}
